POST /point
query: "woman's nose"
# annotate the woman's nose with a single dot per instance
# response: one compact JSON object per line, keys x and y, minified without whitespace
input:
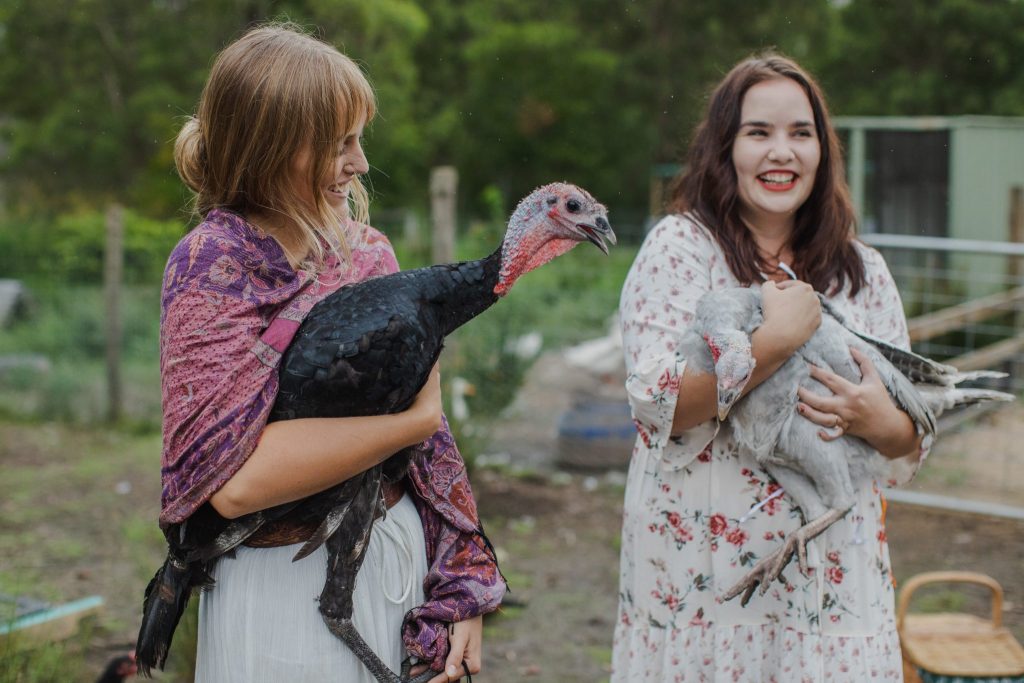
{"x":780,"y":152}
{"x":356,"y":163}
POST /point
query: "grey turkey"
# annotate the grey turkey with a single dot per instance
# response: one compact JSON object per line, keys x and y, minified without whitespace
{"x":820,"y":476}
{"x":366,"y":349}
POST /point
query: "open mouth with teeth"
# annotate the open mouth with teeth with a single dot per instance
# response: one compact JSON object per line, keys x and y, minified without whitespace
{"x":778,"y":181}
{"x":596,"y":234}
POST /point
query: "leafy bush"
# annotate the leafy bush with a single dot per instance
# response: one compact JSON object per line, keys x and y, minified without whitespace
{"x":70,"y":248}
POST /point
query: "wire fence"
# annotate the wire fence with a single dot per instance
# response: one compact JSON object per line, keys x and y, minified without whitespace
{"x":964,"y":299}
{"x":965,"y":304}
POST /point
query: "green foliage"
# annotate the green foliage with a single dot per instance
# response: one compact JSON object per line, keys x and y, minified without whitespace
{"x":70,"y":247}
{"x":952,"y":57}
{"x":43,"y":664}
{"x":513,"y":92}
{"x":67,"y":330}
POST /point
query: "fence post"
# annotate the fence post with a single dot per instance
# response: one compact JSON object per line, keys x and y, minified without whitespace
{"x":444,"y":181}
{"x":1016,"y":231}
{"x":1016,"y":234}
{"x":113,"y":265}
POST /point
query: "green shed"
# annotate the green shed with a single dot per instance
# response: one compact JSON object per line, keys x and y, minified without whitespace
{"x":950,"y":176}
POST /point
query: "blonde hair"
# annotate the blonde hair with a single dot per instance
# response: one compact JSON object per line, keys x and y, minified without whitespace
{"x":270,"y":94}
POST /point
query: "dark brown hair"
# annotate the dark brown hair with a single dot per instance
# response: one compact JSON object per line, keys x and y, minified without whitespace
{"x":823,"y":238}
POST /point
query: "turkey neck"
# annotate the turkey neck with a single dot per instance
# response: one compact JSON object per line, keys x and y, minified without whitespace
{"x":461,"y":291}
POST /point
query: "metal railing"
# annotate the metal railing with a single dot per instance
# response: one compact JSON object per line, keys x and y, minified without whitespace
{"x":965,"y":304}
{"x":964,"y":299}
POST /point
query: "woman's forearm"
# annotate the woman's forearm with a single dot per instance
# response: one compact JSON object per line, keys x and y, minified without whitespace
{"x":895,"y":436}
{"x":297,"y":458}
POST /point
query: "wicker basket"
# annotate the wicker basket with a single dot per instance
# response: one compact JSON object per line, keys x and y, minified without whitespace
{"x":958,"y":646}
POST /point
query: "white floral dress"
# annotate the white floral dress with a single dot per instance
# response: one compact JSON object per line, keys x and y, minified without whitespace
{"x":688,"y":530}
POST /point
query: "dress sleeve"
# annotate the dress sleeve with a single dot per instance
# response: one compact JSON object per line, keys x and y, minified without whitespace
{"x":672,"y":270}
{"x":887,"y":321}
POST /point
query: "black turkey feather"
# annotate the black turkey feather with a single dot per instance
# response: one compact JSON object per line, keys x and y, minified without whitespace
{"x":367,"y":349}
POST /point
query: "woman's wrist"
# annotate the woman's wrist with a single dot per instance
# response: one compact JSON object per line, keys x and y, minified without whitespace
{"x":425,"y":422}
{"x":772,"y":345}
{"x":894,"y":437}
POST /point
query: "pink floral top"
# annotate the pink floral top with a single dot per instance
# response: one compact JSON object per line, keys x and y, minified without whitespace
{"x":690,"y":531}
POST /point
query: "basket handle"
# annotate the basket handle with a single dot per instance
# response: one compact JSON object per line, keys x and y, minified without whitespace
{"x":925,"y":578}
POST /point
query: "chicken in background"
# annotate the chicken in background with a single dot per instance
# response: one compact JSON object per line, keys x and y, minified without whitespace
{"x":119,"y":669}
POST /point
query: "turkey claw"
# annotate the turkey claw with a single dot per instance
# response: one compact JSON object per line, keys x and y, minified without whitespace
{"x":767,"y":570}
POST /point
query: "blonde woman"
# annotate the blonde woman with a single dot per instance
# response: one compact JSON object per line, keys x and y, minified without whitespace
{"x":274,"y":156}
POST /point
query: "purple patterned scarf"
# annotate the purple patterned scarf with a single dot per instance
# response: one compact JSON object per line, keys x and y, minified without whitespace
{"x":231,"y":304}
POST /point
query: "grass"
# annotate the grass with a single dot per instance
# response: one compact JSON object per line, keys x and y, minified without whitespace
{"x":77,"y":518}
{"x":79,"y":497}
{"x":566,"y":302}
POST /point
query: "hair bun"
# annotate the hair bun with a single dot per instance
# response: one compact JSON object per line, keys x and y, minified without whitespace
{"x":190,"y":155}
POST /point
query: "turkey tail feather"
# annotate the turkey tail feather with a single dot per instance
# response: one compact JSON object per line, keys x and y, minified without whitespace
{"x":967,"y":397}
{"x":977,"y":374}
{"x":343,"y":494}
{"x":166,"y":598}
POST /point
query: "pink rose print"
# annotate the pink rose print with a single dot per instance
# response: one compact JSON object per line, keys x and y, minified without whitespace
{"x":737,"y":536}
{"x":718,"y":524}
{"x":834,"y":575}
{"x":669,"y":381}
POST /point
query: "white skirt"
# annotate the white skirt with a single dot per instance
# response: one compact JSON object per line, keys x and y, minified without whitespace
{"x":260,"y":622}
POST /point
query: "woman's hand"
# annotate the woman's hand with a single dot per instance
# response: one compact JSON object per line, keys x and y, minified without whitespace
{"x":427,"y":407}
{"x":465,"y":640}
{"x":864,"y":410}
{"x":792,"y":313}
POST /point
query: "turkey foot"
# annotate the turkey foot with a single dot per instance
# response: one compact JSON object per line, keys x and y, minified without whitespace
{"x":771,"y":566}
{"x":346,"y":631}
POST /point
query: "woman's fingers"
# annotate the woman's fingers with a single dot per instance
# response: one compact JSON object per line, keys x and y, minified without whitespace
{"x":833,"y":382}
{"x":834,"y":425}
{"x":867,"y":367}
{"x":464,"y":654}
{"x":820,"y":402}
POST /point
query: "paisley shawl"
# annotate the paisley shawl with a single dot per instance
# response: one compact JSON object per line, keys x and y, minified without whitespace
{"x":230,"y":306}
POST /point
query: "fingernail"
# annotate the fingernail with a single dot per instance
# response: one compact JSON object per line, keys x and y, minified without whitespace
{"x":451,"y":670}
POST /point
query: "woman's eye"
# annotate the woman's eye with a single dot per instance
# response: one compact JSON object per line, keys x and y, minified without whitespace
{"x":346,"y":145}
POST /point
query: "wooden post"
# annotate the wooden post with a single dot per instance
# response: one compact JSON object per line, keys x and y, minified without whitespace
{"x":1016,"y":235}
{"x":1016,"y":231}
{"x":113,"y":266}
{"x":444,"y":181}
{"x":856,"y":172}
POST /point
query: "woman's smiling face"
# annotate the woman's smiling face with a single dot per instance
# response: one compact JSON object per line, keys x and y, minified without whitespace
{"x":348,"y":162}
{"x":775,"y":153}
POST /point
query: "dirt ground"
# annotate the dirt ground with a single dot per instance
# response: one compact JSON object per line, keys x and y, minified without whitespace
{"x":559,"y":544}
{"x":76,"y":511}
{"x":559,"y":533}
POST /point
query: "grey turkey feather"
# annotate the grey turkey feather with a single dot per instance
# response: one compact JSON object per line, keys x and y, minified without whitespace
{"x":822,"y":477}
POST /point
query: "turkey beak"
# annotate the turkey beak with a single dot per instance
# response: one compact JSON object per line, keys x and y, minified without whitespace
{"x":600,"y":229}
{"x":725,"y":400}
